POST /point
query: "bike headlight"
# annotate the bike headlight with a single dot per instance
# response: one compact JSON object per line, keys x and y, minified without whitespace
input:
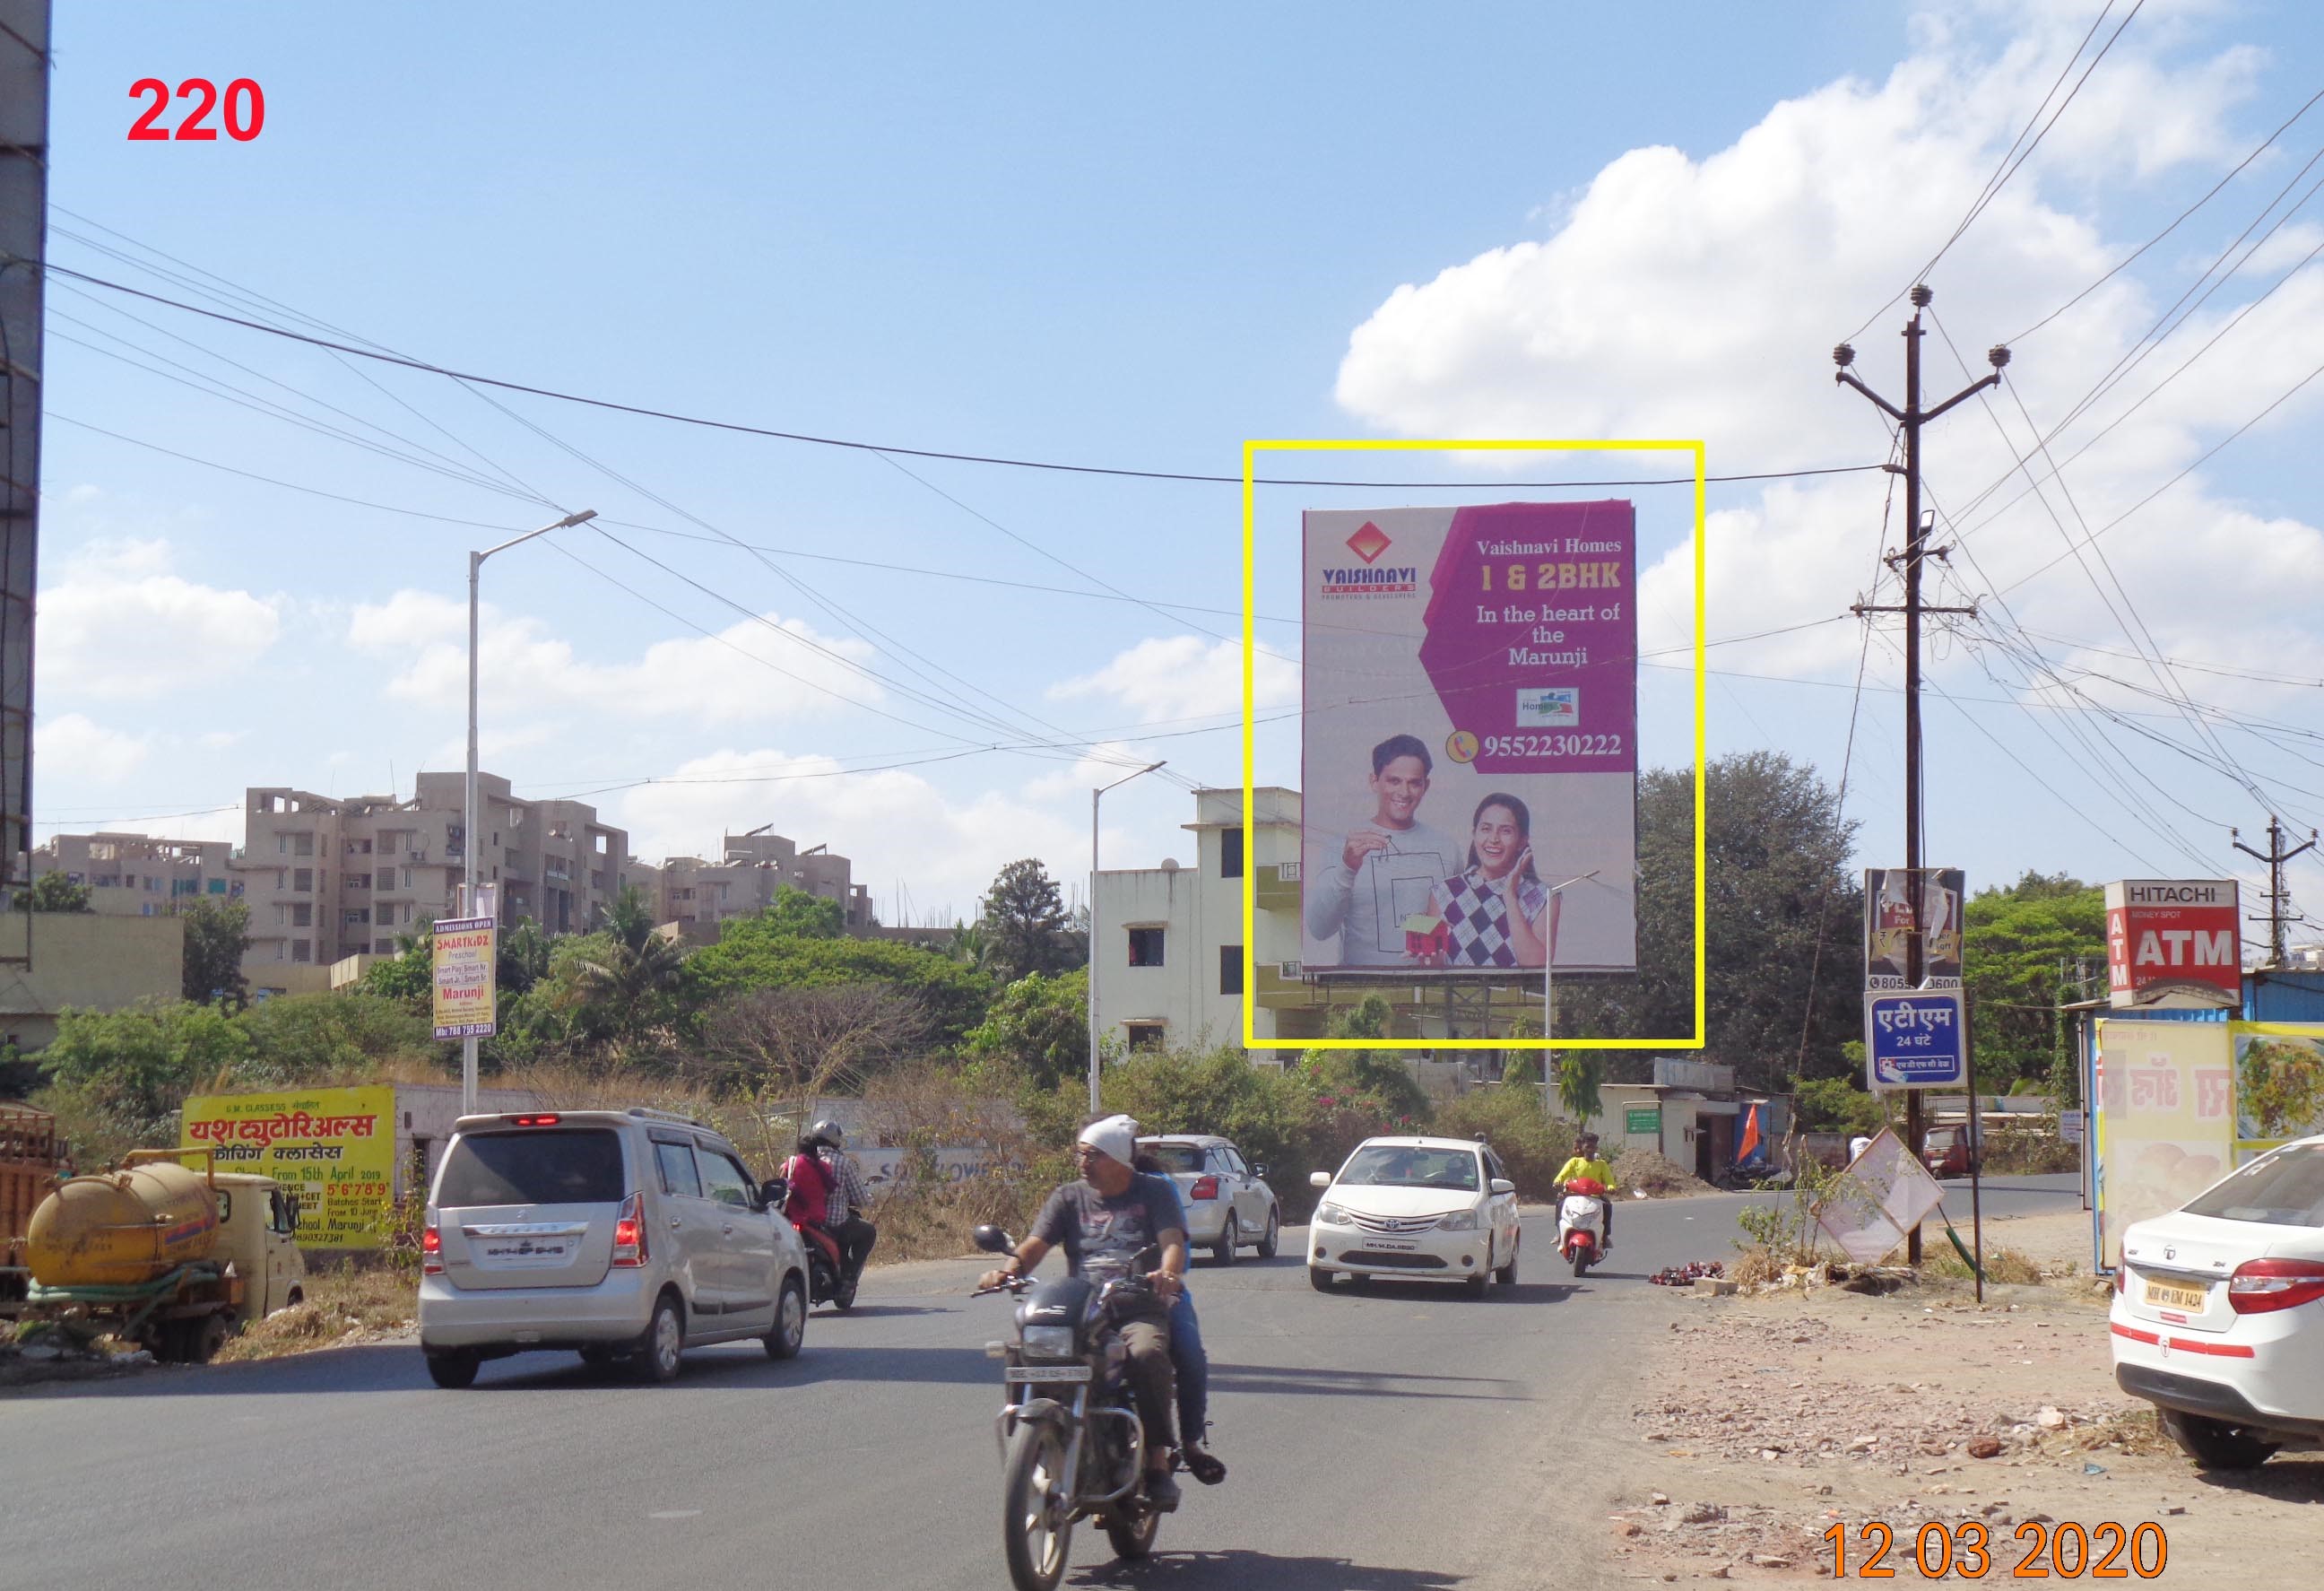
{"x":1460,"y":1221}
{"x":1331,"y":1215}
{"x":1047,"y":1342}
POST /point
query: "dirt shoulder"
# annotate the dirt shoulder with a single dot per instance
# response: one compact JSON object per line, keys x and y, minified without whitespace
{"x":1773,"y":1417}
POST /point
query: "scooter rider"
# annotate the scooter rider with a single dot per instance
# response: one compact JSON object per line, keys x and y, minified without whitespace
{"x":1586,"y":1164}
{"x":849,"y":1196}
{"x":1192,"y":1364}
{"x":1114,"y":1213}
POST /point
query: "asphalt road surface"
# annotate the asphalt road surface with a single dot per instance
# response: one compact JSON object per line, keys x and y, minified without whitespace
{"x":1405,"y":1439}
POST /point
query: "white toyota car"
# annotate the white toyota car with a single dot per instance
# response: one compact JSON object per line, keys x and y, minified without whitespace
{"x":1418,"y":1209}
{"x":2218,"y":1312}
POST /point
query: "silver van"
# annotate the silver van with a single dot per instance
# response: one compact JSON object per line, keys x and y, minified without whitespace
{"x":623,"y":1235}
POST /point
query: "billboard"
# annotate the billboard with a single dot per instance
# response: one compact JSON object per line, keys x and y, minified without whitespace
{"x":465,"y":968}
{"x":1470,"y":739}
{"x":335,"y":1148}
{"x":1888,"y":927}
{"x":2173,"y":943}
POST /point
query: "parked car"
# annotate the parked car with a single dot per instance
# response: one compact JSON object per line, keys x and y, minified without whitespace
{"x":1227,"y":1201}
{"x":1435,"y":1209}
{"x":2218,"y":1316}
{"x":626,"y":1236}
{"x":1948,"y":1152}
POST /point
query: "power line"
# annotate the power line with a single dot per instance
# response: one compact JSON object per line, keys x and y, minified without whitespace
{"x":707,"y":423}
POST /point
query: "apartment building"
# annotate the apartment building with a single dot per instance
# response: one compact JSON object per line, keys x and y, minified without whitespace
{"x":329,"y":878}
{"x":696,"y":893}
{"x":137,"y":876}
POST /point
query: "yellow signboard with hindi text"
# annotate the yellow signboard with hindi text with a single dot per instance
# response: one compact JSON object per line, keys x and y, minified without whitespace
{"x":335,"y":1148}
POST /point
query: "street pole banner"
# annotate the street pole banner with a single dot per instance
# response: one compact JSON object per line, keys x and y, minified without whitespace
{"x":466,"y":953}
{"x":2173,"y":943}
{"x":1916,"y":1039}
{"x":1888,"y":916}
{"x":1468,"y":742}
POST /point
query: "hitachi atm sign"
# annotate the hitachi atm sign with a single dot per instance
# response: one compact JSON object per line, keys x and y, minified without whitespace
{"x":2175,"y":942}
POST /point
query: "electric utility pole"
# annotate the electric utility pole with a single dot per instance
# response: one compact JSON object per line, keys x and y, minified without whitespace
{"x":1910,"y":419}
{"x":2279,"y":899}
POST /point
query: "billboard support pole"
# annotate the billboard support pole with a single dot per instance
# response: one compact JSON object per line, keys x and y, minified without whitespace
{"x":1910,"y":419}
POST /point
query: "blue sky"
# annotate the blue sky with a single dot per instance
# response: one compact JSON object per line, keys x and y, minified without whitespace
{"x":1134,"y":239}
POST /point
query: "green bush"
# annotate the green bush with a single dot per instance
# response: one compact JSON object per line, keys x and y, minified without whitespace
{"x":1511,"y":1119}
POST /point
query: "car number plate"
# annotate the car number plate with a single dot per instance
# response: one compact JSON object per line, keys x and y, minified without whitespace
{"x":2171,"y":1295}
{"x":1400,"y":1244}
{"x":518,"y":1252}
{"x":1048,"y":1373}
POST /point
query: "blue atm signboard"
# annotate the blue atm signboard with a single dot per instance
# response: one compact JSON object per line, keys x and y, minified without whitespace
{"x":1916,"y":1039}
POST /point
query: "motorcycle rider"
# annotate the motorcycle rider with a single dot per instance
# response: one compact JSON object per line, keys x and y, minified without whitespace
{"x":808,"y":1203}
{"x":1192,"y":1364}
{"x":849,"y":1196}
{"x":1113,"y":1213}
{"x":1586,"y":1164}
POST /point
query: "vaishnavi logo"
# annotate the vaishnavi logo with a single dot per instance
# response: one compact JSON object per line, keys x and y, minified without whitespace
{"x":1555,"y":707}
{"x":1369,"y":542}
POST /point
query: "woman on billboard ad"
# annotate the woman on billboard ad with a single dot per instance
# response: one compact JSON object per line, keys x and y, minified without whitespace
{"x":1496,"y":911}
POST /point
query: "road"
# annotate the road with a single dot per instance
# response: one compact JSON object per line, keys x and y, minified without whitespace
{"x":1407,"y":1439}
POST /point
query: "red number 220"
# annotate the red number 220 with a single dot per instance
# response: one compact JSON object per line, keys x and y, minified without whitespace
{"x":245,"y":110}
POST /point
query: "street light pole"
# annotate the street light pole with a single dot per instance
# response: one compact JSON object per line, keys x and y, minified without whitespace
{"x":1549,"y":992}
{"x":1100,"y":791}
{"x":468,"y":842}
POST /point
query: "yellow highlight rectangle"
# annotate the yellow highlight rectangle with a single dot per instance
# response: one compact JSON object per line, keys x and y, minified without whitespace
{"x":1250,"y":450}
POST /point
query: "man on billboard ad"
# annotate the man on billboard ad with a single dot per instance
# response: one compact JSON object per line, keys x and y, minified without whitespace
{"x":1471,"y":739}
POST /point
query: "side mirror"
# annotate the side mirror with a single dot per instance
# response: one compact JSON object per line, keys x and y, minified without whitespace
{"x":1503,"y":1185}
{"x":1319,"y":1179}
{"x":992,"y":1240}
{"x":1259,"y":1170}
{"x":773,"y":1191}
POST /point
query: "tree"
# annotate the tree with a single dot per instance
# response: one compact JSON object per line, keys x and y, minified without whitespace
{"x":805,"y":1040}
{"x":53,"y":892}
{"x":521,"y":958}
{"x":796,"y":912}
{"x":627,"y":980}
{"x":216,"y":936}
{"x":409,"y":976}
{"x":1040,"y":1026}
{"x":750,"y":954}
{"x":2014,"y":943}
{"x":1778,"y":885}
{"x":1025,"y":918}
{"x":1578,"y":1075}
{"x":298,"y":1040}
{"x":126,"y":1072}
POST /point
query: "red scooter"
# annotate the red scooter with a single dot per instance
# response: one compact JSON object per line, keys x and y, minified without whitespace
{"x":1581,"y":1223}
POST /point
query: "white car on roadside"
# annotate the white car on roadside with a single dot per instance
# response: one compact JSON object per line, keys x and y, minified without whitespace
{"x":1417,"y":1209}
{"x":2218,"y":1312}
{"x":1228,"y":1203}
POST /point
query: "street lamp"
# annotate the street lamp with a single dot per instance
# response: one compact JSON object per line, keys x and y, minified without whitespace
{"x":475,"y":567}
{"x":1549,"y":993}
{"x":1100,"y":791}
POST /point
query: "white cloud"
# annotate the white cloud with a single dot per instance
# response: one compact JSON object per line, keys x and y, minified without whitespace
{"x":74,"y":747}
{"x":120,"y":624}
{"x":522,"y":661}
{"x":892,"y":824}
{"x":1175,"y":678}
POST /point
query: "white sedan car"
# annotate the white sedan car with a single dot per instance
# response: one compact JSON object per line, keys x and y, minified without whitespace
{"x":2218,"y":1312}
{"x":1419,"y":1209}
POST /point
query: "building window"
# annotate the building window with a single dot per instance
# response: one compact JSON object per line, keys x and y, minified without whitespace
{"x":356,"y":881}
{"x":383,"y":947}
{"x":1229,"y":969}
{"x":1146,"y":947}
{"x":1231,"y":853}
{"x":302,"y":951}
{"x":1144,"y":1035}
{"x":302,"y":881}
{"x":302,"y":915}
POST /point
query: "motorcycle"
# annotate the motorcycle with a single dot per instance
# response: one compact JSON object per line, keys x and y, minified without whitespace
{"x":1581,"y":1224}
{"x":1071,"y":1445}
{"x":829,"y":1279}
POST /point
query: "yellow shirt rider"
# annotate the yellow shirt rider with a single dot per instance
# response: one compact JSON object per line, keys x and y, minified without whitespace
{"x":1585,"y":1163}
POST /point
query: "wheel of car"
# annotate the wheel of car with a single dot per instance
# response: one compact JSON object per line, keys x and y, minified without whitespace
{"x":454,"y":1371}
{"x":1319,"y":1279}
{"x":662,"y":1343}
{"x":790,"y":1321}
{"x":1229,"y":1239}
{"x":2214,"y":1445}
{"x":1507,"y":1274}
{"x":1273,"y":1240}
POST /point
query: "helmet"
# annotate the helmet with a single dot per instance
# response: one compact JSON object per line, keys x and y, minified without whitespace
{"x":827,"y":1132}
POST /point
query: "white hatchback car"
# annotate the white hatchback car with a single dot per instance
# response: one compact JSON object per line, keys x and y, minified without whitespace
{"x":1229,"y":1204}
{"x":2218,"y":1312}
{"x":1426,"y":1210}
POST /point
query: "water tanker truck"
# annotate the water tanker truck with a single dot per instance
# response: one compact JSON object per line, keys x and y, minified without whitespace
{"x":174,"y":1258}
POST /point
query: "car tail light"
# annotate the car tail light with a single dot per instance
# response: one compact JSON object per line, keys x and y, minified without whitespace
{"x":431,"y":1248}
{"x":630,"y":1233}
{"x":547,"y":1121}
{"x":2259,"y":1286}
{"x":2121,"y":1277}
{"x":1204,"y":1188}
